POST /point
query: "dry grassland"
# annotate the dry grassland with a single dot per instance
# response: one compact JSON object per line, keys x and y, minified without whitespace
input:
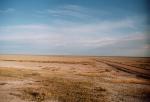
{"x":73,"y":79}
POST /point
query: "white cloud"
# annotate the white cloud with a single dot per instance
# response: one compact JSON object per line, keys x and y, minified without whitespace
{"x":69,"y":34}
{"x":77,"y":37}
{"x":104,"y":26}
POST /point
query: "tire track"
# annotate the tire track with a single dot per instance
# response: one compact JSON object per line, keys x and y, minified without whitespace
{"x":129,"y":69}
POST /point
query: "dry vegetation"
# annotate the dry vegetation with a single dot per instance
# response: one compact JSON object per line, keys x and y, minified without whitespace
{"x":71,"y":79}
{"x":65,"y":90}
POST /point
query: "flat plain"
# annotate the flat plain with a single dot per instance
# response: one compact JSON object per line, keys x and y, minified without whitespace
{"x":31,"y":78}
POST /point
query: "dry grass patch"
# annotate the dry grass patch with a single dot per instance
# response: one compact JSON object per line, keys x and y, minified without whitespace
{"x":88,"y":74}
{"x":14,"y":72}
{"x":143,"y":92}
{"x":98,"y":73}
{"x":65,"y":90}
{"x":131,"y":81}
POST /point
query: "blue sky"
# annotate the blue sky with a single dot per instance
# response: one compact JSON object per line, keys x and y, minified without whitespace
{"x":74,"y":27}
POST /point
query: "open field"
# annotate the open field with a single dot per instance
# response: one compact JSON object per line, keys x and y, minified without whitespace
{"x":74,"y":79}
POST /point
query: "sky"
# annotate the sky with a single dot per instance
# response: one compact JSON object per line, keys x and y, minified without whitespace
{"x":75,"y":27}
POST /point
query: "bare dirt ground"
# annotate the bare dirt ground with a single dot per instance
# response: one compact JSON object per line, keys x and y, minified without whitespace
{"x":74,"y":79}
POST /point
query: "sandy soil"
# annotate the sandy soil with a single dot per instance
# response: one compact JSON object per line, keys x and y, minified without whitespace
{"x":74,"y":79}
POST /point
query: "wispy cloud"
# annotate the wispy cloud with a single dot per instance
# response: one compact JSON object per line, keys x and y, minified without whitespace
{"x":74,"y":35}
{"x":71,"y":27}
{"x":8,"y":10}
{"x":51,"y":39}
{"x":71,"y":11}
{"x":82,"y":35}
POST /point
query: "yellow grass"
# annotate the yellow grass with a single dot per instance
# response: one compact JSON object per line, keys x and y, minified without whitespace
{"x":69,"y":79}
